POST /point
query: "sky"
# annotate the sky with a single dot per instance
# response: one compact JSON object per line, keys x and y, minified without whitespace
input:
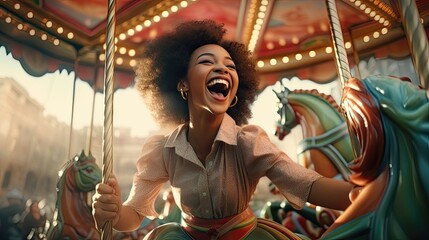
{"x":54,"y":91}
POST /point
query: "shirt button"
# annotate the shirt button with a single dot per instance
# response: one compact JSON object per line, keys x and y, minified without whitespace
{"x":204,"y":194}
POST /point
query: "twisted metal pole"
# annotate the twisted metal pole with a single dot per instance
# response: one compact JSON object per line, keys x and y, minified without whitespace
{"x":109,"y":67}
{"x":417,"y":40}
{"x":76,"y":64}
{"x":341,"y":60}
{"x":94,"y":93}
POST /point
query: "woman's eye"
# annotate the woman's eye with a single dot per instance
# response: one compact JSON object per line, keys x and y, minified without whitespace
{"x":231,"y":66}
{"x":206,"y":61}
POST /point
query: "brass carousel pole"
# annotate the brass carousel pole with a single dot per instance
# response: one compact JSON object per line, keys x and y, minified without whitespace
{"x":76,"y":61}
{"x":417,"y":40}
{"x":94,"y":93}
{"x":341,"y":60}
{"x":106,"y":232}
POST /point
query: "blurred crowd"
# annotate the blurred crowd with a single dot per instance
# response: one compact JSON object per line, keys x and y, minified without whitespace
{"x":22,"y":218}
{"x":27,"y":218}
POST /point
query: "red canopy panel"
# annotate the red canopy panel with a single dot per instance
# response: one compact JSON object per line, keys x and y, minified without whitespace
{"x":37,"y":63}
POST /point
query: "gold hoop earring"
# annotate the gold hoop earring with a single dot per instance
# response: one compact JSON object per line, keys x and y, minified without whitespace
{"x":234,"y":102}
{"x":184,"y":94}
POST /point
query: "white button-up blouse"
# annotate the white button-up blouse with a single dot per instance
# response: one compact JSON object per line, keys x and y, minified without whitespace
{"x":239,"y":157}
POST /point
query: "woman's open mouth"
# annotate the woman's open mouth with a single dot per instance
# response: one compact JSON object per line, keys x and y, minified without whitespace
{"x":218,"y":87}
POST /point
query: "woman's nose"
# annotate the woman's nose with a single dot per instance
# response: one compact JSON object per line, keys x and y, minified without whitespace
{"x":220,"y":68}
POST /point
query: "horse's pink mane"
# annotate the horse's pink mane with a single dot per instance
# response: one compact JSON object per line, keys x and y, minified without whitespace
{"x":371,"y":137}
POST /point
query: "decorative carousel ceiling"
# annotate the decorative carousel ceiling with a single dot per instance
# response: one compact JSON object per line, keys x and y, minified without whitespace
{"x":287,"y":37}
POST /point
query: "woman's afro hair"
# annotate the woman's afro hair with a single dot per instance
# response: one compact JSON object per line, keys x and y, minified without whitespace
{"x":165,"y":62}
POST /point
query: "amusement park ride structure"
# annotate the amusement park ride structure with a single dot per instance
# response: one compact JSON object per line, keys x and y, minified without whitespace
{"x":287,"y":37}
{"x":313,"y":40}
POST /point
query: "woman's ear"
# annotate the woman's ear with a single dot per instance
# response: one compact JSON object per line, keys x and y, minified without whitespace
{"x":182,"y":85}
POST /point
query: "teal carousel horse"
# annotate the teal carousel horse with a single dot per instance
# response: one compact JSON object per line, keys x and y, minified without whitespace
{"x":389,"y":121}
{"x":73,"y":218}
{"x":389,"y":118}
{"x":325,"y":148}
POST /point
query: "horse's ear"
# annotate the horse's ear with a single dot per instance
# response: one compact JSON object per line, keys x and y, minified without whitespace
{"x":82,"y":156}
{"x":277,"y":94}
{"x":282,"y":84}
{"x":90,"y":157}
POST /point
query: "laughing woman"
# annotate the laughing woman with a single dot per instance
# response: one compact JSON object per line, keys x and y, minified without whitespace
{"x":204,"y":85}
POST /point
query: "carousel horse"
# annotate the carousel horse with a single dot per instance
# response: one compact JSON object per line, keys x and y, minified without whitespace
{"x":73,"y":218}
{"x":303,"y":221}
{"x":325,"y":148}
{"x":389,"y":118}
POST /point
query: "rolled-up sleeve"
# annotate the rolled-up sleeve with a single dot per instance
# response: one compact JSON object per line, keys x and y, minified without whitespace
{"x":150,"y":176}
{"x":266,"y":159}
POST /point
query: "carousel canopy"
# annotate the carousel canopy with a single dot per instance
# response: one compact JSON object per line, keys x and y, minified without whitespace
{"x":287,"y":37}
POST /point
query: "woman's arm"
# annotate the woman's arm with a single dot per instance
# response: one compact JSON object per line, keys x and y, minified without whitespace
{"x":330,"y":193}
{"x":129,"y":219}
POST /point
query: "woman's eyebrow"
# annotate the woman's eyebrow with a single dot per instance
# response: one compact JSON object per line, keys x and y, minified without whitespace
{"x":212,"y":55}
{"x":206,"y":54}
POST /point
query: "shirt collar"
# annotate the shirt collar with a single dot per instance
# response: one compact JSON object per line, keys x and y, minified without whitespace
{"x":227,"y":133}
